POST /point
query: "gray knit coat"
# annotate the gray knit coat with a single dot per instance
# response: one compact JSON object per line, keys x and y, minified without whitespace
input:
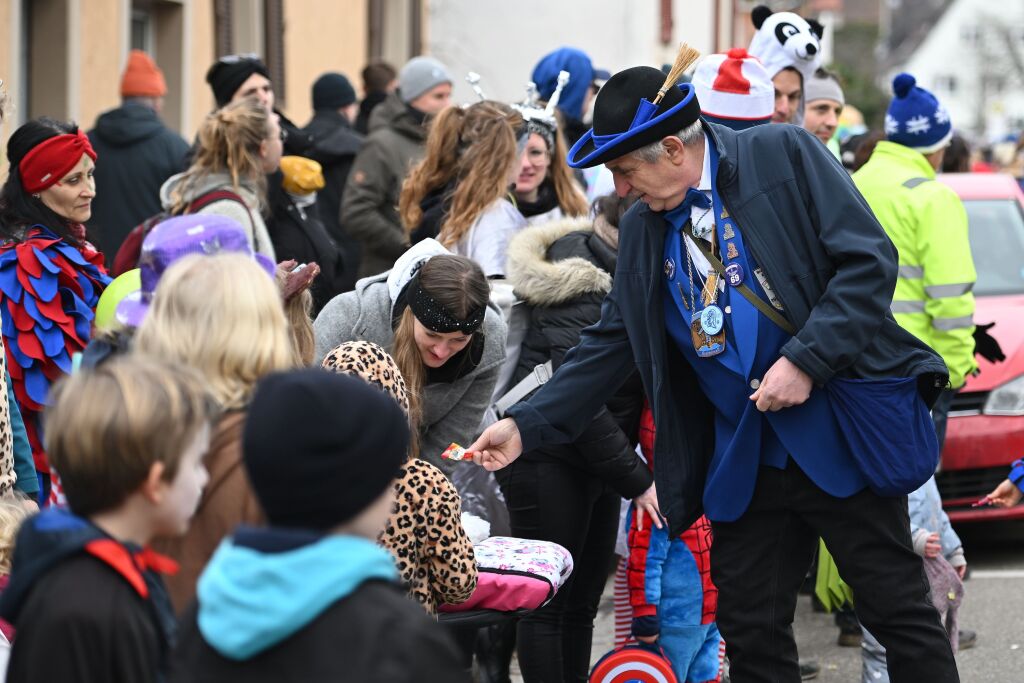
{"x":452,"y":412}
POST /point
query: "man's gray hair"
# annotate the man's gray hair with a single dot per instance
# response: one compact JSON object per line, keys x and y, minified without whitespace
{"x":690,"y":136}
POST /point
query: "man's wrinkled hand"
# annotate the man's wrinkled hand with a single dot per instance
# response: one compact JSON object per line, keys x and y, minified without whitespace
{"x":498,"y":446}
{"x":784,"y":385}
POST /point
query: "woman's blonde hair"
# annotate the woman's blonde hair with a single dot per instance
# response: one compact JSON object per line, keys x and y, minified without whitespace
{"x":460,"y":286}
{"x":222,"y":315}
{"x":230,"y":141}
{"x":475,"y":147}
{"x":571,"y":199}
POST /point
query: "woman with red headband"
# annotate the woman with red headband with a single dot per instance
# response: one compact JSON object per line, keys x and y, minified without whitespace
{"x":50,"y":276}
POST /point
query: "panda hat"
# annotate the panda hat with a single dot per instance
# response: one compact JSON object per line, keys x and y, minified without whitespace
{"x":785,"y":39}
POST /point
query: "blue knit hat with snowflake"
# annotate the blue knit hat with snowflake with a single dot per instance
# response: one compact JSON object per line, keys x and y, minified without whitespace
{"x":915,"y":118}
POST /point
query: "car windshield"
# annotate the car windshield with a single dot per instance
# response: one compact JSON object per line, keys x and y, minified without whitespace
{"x":997,"y":243}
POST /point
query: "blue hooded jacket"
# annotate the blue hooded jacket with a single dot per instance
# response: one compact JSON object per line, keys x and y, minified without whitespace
{"x":581,"y":74}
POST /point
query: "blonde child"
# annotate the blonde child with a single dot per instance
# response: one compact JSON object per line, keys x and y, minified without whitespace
{"x":128,"y":439}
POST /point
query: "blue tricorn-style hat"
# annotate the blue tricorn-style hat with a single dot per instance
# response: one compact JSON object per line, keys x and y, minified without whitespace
{"x":625,"y":119}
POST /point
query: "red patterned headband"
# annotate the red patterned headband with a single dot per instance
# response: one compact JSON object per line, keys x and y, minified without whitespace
{"x":51,"y":159}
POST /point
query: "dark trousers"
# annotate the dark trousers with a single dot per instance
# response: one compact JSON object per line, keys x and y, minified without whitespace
{"x":759,"y":561}
{"x":552,"y":501}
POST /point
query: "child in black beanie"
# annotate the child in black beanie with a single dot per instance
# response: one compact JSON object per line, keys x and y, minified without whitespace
{"x":312,"y":597}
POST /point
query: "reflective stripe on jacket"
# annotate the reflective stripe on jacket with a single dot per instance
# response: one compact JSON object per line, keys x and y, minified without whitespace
{"x":927,"y":223}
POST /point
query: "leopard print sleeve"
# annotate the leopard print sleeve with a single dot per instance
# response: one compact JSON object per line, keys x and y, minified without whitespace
{"x":7,"y":472}
{"x":448,"y":550}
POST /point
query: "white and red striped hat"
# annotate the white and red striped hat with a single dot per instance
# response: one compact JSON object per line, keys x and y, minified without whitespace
{"x":734,"y":89}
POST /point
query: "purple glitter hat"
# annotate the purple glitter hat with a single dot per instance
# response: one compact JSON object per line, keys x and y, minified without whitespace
{"x":174,"y":239}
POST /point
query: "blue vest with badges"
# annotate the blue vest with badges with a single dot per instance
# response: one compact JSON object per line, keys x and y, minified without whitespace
{"x":746,"y":438}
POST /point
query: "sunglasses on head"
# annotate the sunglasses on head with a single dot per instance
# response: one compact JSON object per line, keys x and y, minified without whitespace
{"x":236,"y":59}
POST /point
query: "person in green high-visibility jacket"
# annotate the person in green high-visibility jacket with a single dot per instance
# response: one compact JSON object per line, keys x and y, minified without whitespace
{"x":926,"y":221}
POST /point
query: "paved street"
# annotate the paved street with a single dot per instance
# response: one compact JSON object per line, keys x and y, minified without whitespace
{"x":993,"y":606}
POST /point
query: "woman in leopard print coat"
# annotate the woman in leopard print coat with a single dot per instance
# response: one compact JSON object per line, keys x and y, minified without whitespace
{"x":424,"y":532}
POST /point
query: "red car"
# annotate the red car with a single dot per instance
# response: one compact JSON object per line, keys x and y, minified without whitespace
{"x":986,"y":423}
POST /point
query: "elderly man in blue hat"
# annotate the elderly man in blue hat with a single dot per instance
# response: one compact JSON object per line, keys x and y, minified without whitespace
{"x":752,"y":291}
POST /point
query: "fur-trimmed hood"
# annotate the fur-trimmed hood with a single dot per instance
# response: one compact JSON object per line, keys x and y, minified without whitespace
{"x":541,"y":282}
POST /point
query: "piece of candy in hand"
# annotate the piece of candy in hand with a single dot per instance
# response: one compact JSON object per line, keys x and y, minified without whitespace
{"x":455,"y":452}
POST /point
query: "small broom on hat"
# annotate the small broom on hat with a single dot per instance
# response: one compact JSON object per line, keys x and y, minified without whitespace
{"x":684,"y":60}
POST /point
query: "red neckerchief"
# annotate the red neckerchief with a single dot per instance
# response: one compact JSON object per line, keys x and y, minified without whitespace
{"x":131,"y":565}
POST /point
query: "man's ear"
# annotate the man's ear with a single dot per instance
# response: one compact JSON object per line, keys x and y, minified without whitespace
{"x":674,"y":149}
{"x":153,"y":486}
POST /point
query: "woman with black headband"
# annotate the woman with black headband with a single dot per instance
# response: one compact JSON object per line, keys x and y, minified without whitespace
{"x":51,"y":277}
{"x":430,"y":312}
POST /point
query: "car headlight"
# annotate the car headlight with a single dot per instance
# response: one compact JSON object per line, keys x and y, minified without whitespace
{"x":1007,"y":399}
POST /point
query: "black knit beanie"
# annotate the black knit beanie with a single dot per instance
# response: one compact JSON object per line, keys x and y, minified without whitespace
{"x":332,"y":91}
{"x":228,"y":74}
{"x":319,"y":447}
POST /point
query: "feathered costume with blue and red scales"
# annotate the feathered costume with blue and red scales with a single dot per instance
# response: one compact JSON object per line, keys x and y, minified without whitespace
{"x":48,"y":293}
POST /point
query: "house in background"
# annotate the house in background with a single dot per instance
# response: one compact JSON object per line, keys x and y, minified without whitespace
{"x":970,"y":53}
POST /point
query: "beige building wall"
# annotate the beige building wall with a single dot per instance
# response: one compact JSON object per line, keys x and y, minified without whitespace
{"x":199,"y":55}
{"x":320,"y":37}
{"x":82,"y":59}
{"x":95,"y":70}
{"x":8,"y":60}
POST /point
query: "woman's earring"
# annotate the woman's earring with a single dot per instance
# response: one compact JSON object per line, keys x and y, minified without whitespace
{"x":35,"y":196}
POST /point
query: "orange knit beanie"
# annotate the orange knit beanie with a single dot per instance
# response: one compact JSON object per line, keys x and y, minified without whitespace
{"x":142,"y":78}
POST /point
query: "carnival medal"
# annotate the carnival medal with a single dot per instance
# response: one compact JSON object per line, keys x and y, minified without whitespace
{"x":707,"y":328}
{"x":706,"y":345}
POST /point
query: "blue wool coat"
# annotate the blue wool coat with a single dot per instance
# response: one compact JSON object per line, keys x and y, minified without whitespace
{"x":830,"y":263}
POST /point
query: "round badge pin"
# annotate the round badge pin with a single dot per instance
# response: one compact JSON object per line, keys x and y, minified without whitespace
{"x":734,"y":274}
{"x":712,"y":319}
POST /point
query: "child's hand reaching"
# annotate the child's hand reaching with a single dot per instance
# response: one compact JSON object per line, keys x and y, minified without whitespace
{"x":647,"y":502}
{"x":1005,"y":495}
{"x":932,"y":547}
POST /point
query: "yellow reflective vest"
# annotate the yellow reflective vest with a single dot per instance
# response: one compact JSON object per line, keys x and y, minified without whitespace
{"x":927,"y":222}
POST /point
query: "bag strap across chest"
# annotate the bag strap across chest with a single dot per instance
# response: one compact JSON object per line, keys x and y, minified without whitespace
{"x":747,"y":293}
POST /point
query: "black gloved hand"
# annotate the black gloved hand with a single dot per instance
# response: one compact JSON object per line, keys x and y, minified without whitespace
{"x":986,"y":346}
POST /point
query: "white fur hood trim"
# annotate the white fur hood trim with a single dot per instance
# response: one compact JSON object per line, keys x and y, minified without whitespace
{"x":540,"y":282}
